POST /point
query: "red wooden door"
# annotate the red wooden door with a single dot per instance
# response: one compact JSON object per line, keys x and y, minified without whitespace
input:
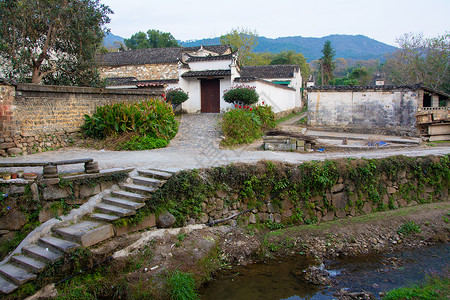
{"x":210,"y":94}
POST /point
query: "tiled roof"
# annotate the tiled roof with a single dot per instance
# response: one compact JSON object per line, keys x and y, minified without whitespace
{"x":152,"y":55}
{"x":252,"y":79}
{"x":120,"y":81}
{"x":269,"y":71}
{"x":364,"y":87}
{"x":209,"y":57}
{"x":207,"y":73}
{"x":219,"y":49}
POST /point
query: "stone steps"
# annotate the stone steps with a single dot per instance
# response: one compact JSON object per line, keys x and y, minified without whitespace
{"x":15,"y":274}
{"x":86,"y":233}
{"x":28,"y":263}
{"x":40,"y":253}
{"x":35,"y":257}
{"x":147,"y":181}
{"x":139,"y":189}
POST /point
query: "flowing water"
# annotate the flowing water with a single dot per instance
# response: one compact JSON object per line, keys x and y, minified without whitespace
{"x":281,"y":279}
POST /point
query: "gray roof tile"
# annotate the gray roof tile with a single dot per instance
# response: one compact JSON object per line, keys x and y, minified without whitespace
{"x":269,"y":71}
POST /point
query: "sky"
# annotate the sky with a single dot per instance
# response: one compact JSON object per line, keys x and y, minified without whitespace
{"x":382,"y":20}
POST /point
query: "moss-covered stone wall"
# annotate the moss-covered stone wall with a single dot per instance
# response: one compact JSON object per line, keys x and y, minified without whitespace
{"x":302,"y":194}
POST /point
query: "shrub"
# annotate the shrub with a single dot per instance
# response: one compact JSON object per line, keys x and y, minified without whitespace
{"x":176,"y":96}
{"x":241,"y":126}
{"x":152,"y":118}
{"x":243,"y":94}
{"x":144,"y":143}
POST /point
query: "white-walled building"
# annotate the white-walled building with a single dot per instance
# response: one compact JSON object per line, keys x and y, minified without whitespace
{"x":205,"y":72}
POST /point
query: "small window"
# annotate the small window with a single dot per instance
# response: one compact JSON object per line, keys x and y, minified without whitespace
{"x":426,"y":100}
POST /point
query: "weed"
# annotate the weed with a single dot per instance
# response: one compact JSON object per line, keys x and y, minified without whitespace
{"x":273,"y":226}
{"x":409,"y":228}
{"x":434,"y":288}
{"x":181,"y":286}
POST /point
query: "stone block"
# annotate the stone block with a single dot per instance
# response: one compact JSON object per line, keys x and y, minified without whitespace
{"x":287,"y":204}
{"x":221,"y":194}
{"x":252,"y":218}
{"x":337,"y":188}
{"x":340,"y":200}
{"x":340,"y":213}
{"x":88,"y":191}
{"x":147,"y":222}
{"x":329,"y":216}
{"x":55,"y":193}
{"x":7,"y":145}
{"x":14,"y":189}
{"x":47,"y":213}
{"x":367,"y":208}
{"x":391,"y":190}
{"x":13,"y":220}
{"x":14,"y":151}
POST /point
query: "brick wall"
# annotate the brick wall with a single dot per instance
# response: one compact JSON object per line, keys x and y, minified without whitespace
{"x":34,"y":118}
{"x":142,"y":72}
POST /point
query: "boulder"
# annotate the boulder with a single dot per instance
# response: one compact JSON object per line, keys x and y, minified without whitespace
{"x":165,"y":220}
{"x":13,"y":220}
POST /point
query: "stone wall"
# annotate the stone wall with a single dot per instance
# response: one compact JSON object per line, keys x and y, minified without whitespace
{"x":35,"y":118}
{"x":142,"y":72}
{"x":367,"y":110}
{"x":307,"y":193}
{"x":33,"y":202}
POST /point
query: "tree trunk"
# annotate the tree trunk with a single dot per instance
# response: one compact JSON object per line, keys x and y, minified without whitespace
{"x":36,"y":76}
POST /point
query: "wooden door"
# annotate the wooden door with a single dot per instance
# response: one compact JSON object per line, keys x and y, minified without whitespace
{"x":210,"y":94}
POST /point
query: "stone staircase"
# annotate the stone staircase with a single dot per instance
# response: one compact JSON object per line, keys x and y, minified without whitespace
{"x":93,"y":229}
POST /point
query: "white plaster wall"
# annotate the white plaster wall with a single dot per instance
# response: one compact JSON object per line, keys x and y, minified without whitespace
{"x":363,"y":109}
{"x":210,"y":65}
{"x":279,"y":98}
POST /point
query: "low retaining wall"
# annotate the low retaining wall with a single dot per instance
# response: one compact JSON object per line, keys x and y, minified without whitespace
{"x":30,"y":202}
{"x":35,"y":118}
{"x":303,"y":194}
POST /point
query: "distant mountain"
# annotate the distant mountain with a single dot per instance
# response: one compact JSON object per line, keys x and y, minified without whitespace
{"x":355,"y":47}
{"x":110,"y":39}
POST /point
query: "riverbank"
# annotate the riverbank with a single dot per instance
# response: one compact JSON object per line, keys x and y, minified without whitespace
{"x":148,"y":259}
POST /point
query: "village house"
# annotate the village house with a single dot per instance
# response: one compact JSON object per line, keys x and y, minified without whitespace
{"x":380,"y":108}
{"x":205,"y":72}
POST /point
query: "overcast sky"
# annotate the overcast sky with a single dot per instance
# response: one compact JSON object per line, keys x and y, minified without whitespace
{"x":383,"y":20}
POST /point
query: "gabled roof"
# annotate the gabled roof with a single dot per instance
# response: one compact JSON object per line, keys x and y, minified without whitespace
{"x":192,"y":58}
{"x":207,"y":73}
{"x":270,"y":71}
{"x":153,"y":55}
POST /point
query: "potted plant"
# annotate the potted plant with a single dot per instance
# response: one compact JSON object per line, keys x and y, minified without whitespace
{"x":6,"y":176}
{"x":20,"y":173}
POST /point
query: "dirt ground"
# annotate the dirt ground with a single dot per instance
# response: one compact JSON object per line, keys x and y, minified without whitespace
{"x":204,"y":251}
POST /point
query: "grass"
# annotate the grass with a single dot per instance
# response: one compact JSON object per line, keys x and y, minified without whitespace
{"x":435,"y":288}
{"x":181,"y":286}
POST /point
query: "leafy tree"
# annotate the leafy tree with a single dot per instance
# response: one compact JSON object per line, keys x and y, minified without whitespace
{"x":292,"y":58}
{"x":244,"y":40}
{"x":259,"y":58}
{"x":421,"y":60}
{"x":152,"y":39}
{"x":45,"y":40}
{"x":327,"y":65}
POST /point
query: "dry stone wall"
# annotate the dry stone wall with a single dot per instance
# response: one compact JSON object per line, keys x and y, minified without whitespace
{"x":142,"y":72}
{"x":307,"y":193}
{"x":35,"y":118}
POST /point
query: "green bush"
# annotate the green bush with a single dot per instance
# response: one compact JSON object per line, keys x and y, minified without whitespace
{"x":176,"y":96}
{"x":144,"y":143}
{"x":242,"y":94}
{"x":152,"y":120}
{"x":242,"y":126}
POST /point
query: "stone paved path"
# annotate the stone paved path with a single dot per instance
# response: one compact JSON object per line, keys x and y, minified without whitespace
{"x":197,"y":132}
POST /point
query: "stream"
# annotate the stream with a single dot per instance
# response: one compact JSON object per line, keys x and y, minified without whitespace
{"x":282,"y":278}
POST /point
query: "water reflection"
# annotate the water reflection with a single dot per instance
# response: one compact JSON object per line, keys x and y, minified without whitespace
{"x":281,"y":279}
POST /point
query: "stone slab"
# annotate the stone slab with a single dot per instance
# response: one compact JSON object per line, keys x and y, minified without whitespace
{"x":149,"y":221}
{"x":86,"y":233}
{"x":41,"y":253}
{"x":58,"y":244}
{"x":7,"y":287}
{"x":17,"y":275}
{"x":28,"y":263}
